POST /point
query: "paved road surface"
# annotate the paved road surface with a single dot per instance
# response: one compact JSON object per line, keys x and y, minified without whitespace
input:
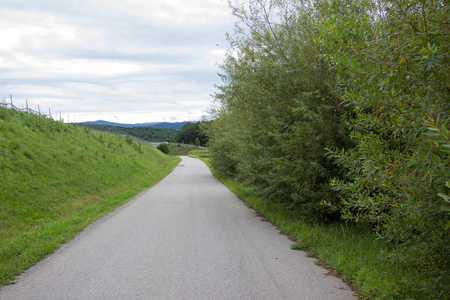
{"x":188,"y":237}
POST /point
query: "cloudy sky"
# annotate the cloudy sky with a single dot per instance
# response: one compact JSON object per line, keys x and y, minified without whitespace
{"x":128,"y":61}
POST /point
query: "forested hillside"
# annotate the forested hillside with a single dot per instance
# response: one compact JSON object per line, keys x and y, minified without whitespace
{"x":339,"y":110}
{"x":147,"y":133}
{"x":192,"y":133}
{"x":173,"y":125}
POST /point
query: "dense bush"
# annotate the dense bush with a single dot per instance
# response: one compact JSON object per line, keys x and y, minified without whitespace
{"x":163,"y":148}
{"x":393,"y":68}
{"x":278,"y":110}
{"x":343,"y":106}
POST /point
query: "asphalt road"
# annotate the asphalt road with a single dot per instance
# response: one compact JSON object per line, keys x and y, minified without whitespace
{"x":188,"y":237}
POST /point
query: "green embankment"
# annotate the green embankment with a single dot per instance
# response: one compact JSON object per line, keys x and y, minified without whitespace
{"x":56,"y":178}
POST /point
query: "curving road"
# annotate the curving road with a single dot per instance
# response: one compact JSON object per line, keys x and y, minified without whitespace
{"x":188,"y":237}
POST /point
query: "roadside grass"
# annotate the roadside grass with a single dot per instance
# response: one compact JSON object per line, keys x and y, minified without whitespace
{"x":200,"y":153}
{"x":171,"y":150}
{"x":55,"y":179}
{"x":183,"y":150}
{"x":351,"y":251}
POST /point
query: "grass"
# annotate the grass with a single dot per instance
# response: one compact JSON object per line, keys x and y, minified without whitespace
{"x":351,"y":251}
{"x":204,"y":153}
{"x":57,"y":178}
{"x":183,"y":150}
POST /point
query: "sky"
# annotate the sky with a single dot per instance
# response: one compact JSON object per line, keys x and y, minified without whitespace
{"x":126,"y":61}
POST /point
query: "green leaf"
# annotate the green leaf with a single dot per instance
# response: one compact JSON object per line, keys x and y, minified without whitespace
{"x":445,"y":197}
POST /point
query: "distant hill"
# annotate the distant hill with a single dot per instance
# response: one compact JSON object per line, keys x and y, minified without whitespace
{"x":174,"y":125}
{"x":147,"y":133}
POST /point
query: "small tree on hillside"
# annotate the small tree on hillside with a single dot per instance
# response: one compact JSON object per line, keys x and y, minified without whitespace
{"x":163,"y":148}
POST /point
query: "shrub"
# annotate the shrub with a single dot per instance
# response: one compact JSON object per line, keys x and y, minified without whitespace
{"x":393,"y":69}
{"x":278,"y":111}
{"x":163,"y":148}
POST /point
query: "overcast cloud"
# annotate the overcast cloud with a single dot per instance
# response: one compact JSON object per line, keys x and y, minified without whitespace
{"x":129,"y":61}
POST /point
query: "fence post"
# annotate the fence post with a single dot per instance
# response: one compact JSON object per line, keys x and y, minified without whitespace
{"x":26,"y":101}
{"x":10,"y":97}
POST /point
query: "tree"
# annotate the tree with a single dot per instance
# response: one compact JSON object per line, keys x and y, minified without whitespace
{"x":393,"y":68}
{"x":345,"y":104}
{"x":163,"y":148}
{"x":278,"y":111}
{"x":190,"y":132}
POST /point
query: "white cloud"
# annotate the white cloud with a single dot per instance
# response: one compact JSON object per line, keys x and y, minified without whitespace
{"x":173,"y":12}
{"x":147,"y":60}
{"x":32,"y":66}
{"x":25,"y":30}
{"x":215,"y":56}
{"x":86,"y":67}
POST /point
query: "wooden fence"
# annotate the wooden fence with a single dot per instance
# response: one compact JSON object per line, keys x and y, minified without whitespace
{"x":28,"y":110}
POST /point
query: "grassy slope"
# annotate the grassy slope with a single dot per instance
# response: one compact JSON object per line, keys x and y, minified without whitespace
{"x":56,"y":178}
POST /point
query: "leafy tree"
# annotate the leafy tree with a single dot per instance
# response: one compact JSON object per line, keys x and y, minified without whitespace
{"x":163,"y":148}
{"x":190,"y":132}
{"x":352,"y":92}
{"x":392,"y":59}
{"x":278,"y":111}
{"x":223,"y":144}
